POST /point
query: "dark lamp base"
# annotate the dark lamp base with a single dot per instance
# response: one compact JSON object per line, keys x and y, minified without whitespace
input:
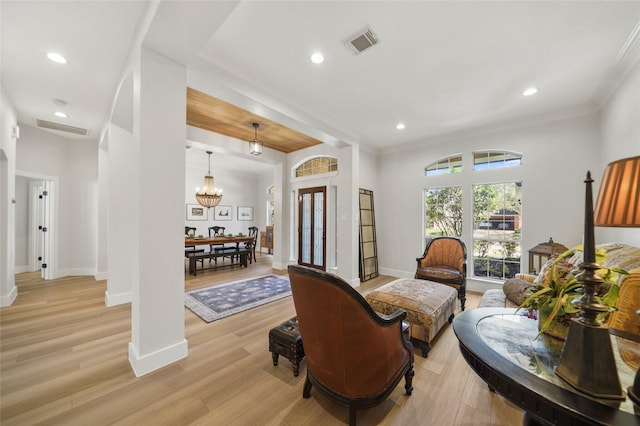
{"x":587,"y":362}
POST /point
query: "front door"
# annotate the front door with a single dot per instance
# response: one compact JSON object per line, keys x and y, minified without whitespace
{"x":312,"y":249}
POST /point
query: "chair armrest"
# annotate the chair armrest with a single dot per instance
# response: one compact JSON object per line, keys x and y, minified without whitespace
{"x":526,"y":277}
{"x":398,"y":315}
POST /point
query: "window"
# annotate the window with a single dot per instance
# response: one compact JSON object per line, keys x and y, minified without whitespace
{"x":496,"y":230}
{"x":443,"y":211}
{"x":316,"y":166}
{"x":495,"y":160}
{"x":451,"y":164}
{"x":270,"y":206}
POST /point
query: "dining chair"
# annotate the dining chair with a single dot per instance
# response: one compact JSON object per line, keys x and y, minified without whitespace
{"x":251,"y":245}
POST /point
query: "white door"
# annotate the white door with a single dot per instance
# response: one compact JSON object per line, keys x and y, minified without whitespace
{"x":36,"y":221}
{"x":45,"y":229}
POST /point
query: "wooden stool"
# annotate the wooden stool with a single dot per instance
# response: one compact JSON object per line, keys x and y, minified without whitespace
{"x":285,"y":340}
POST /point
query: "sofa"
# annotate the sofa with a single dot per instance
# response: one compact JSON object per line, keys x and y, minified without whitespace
{"x":619,"y":255}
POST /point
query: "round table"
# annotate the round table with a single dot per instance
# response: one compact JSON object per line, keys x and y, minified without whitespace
{"x":501,"y":347}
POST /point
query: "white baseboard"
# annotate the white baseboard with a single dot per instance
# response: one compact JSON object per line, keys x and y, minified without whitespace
{"x":147,"y":363}
{"x":100,"y":276}
{"x":396,"y":273}
{"x":117,"y":299}
{"x":23,"y":268}
{"x":9,"y":298}
{"x":60,"y":273}
{"x":279,"y":266}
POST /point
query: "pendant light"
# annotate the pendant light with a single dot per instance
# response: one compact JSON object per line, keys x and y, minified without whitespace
{"x":255,"y":146}
{"x":210,"y":195}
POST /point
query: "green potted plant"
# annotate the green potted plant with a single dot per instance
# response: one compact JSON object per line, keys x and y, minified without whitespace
{"x":558,"y":287}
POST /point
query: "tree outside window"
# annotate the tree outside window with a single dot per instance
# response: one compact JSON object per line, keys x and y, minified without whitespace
{"x":497,"y":228}
{"x":443,"y":211}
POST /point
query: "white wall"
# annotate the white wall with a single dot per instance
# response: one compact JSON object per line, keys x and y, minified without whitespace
{"x":74,"y":163}
{"x":8,"y":119}
{"x":556,"y":157}
{"x":240,"y":189}
{"x":344,"y":240}
{"x":122,"y":255}
{"x":368,"y":171}
{"x":620,"y":139}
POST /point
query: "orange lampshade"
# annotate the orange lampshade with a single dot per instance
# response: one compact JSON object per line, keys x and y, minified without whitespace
{"x":618,"y":201}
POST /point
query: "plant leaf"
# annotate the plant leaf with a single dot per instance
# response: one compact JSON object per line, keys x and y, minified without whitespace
{"x":552,"y":315}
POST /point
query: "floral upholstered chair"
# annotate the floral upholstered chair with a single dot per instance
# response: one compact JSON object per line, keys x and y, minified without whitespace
{"x":445,"y":261}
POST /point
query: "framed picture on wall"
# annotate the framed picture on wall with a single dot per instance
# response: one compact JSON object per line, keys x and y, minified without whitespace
{"x":223,"y":213}
{"x":245,"y":213}
{"x":197,"y":212}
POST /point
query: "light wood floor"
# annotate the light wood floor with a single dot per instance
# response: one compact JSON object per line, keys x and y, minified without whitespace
{"x":64,"y":362}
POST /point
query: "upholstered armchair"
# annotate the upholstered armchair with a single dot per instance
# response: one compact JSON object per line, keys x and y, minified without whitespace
{"x":355,"y":357}
{"x":445,"y":261}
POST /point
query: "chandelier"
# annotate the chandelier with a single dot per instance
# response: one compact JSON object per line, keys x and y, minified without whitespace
{"x":210,"y":195}
{"x":255,"y":146}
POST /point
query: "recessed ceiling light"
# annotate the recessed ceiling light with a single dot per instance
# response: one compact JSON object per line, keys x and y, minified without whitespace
{"x":400,"y":126}
{"x":56,"y":57}
{"x":530,"y":91}
{"x":60,"y":114}
{"x":317,"y":58}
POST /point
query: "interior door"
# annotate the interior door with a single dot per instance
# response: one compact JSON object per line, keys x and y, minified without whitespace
{"x":312,"y":219}
{"x":45,"y":228}
{"x":36,"y":221}
{"x":368,"y":244}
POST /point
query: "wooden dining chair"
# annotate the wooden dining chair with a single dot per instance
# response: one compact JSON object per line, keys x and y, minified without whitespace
{"x":216,"y":231}
{"x":251,"y":245}
{"x":191,"y":250}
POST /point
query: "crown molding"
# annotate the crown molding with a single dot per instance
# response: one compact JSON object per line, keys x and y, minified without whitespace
{"x":626,"y":59}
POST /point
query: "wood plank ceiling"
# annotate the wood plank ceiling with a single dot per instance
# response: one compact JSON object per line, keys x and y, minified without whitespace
{"x":215,"y":115}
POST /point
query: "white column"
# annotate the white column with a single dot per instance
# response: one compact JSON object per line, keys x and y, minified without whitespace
{"x":281,"y":237}
{"x":157,"y":311}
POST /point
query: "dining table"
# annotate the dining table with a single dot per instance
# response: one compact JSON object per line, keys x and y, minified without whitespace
{"x":241,"y":254}
{"x":205,"y":241}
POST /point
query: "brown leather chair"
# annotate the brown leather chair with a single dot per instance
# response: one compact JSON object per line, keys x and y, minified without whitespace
{"x":445,"y":261}
{"x":355,"y":356}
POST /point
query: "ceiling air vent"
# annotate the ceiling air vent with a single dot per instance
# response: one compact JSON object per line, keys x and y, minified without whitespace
{"x":362,"y":41}
{"x":61,"y":127}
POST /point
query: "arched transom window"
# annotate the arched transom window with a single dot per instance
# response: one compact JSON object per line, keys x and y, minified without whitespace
{"x":452,"y":164}
{"x":317,"y":166}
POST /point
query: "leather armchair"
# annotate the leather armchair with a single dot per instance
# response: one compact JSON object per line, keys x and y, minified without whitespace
{"x":355,"y":356}
{"x":445,"y":261}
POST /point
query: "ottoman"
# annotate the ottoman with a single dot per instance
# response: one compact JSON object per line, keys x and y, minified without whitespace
{"x":285,"y":340}
{"x":429,"y":306}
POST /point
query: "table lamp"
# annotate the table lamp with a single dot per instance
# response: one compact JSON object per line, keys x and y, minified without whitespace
{"x":587,"y":362}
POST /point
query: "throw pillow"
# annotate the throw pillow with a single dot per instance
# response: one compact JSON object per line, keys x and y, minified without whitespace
{"x":516,"y":290}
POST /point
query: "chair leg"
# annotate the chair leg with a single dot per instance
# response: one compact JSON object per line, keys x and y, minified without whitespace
{"x":408,"y":380}
{"x":306,"y":392}
{"x":426,"y":347}
{"x":352,"y":415}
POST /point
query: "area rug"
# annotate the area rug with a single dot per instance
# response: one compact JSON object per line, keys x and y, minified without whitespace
{"x":222,"y":300}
